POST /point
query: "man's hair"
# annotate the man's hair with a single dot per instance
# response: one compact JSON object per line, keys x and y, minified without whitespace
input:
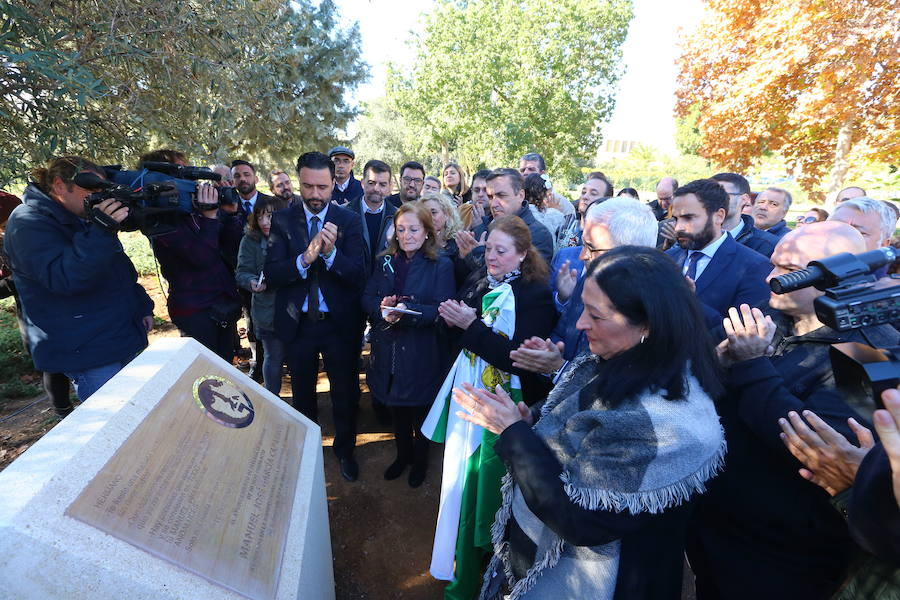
{"x":481,"y":174}
{"x":708,"y":192}
{"x":674,"y":183}
{"x":630,"y":222}
{"x":238,"y":162}
{"x":434,"y":179}
{"x":542,"y":166}
{"x":851,"y":187}
{"x":823,"y":214}
{"x":887,"y":217}
{"x":788,"y":199}
{"x":64,"y":167}
{"x":599,"y":175}
{"x":515,"y":178}
{"x":162,"y":155}
{"x":376,"y":166}
{"x":271,"y":177}
{"x":739,"y":181}
{"x":315,"y":161}
{"x":411,"y":164}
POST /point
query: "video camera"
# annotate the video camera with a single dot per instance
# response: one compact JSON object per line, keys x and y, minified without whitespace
{"x":854,"y":298}
{"x":154,"y":195}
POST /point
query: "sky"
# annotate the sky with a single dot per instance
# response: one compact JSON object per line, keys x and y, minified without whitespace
{"x":644,"y":102}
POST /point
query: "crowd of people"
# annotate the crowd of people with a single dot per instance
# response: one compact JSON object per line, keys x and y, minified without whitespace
{"x":612,"y":382}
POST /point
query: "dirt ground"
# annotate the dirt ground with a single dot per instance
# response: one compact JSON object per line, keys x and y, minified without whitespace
{"x":381,"y":531}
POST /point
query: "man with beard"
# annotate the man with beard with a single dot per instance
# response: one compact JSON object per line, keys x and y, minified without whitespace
{"x":280,"y":185}
{"x":412,"y":178}
{"x":245,"y":180}
{"x":724,"y":272}
{"x":375,"y":212}
{"x":316,"y":263}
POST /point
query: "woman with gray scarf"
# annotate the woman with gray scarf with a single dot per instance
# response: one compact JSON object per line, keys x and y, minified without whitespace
{"x":601,"y":476}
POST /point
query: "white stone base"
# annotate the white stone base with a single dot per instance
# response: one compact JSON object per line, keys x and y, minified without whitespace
{"x":47,"y":555}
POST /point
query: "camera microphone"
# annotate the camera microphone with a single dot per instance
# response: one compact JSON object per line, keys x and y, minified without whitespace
{"x":830,"y":272}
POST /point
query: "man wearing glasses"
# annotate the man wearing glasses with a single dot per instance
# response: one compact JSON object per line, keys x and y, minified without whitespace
{"x":412,"y":178}
{"x":741,"y":226}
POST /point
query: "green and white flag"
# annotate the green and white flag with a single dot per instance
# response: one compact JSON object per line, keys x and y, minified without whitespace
{"x":470,"y":488}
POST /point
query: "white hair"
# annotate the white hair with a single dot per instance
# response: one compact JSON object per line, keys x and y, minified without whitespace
{"x":630,"y":222}
{"x":868,"y":206}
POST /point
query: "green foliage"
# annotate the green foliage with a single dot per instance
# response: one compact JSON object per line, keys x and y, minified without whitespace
{"x":14,"y":361}
{"x":494,"y":79}
{"x":687,"y":133}
{"x":644,"y":166}
{"x":110,"y":80}
{"x":137,"y":247}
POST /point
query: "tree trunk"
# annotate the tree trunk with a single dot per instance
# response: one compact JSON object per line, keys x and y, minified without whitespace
{"x":841,"y":161}
{"x":445,"y":153}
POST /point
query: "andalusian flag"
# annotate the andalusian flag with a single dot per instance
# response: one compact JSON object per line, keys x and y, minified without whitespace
{"x":470,"y":489}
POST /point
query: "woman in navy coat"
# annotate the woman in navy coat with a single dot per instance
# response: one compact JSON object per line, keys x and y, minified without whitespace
{"x":408,"y":359}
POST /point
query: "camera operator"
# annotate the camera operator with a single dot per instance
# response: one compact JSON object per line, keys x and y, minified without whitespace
{"x":761,"y":528}
{"x":85,"y":314}
{"x":203,"y":299}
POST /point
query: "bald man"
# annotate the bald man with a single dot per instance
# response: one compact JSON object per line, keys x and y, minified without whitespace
{"x":849,"y":193}
{"x":762,"y":531}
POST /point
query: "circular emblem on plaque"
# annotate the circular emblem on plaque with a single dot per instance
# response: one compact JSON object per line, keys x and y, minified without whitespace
{"x":223,"y":401}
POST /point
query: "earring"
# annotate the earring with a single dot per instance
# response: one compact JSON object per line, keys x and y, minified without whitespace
{"x":642,"y":339}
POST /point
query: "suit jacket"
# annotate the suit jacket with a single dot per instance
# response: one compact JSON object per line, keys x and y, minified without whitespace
{"x":541,"y":237}
{"x":566,"y":330}
{"x":735,"y":275}
{"x":357,"y":207}
{"x":341,"y":285}
{"x":755,"y":238}
{"x":354,"y":191}
{"x":243,"y":213}
{"x":779,"y":229}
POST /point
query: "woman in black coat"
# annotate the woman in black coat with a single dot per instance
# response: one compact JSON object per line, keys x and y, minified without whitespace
{"x":407,"y":359}
{"x":510,"y":258}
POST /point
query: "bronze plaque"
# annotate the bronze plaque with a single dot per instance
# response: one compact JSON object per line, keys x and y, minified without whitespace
{"x":206,"y":481}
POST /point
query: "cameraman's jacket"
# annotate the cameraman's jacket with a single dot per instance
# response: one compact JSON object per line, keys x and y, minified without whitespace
{"x":81,"y":303}
{"x":192,"y":259}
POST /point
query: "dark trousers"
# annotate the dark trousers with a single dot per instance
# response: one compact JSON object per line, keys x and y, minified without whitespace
{"x":211,"y":334}
{"x":412,"y":446}
{"x":339,"y":348}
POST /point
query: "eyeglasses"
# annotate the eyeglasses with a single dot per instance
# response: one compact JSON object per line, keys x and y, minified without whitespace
{"x":807,"y":220}
{"x":408,"y":180}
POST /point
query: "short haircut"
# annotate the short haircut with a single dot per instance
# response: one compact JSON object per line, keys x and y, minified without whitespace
{"x":377,"y":166}
{"x":788,"y":199}
{"x":674,"y":183}
{"x":739,"y":181}
{"x":708,"y":191}
{"x":162,"y":155}
{"x":886,"y":216}
{"x":599,"y":175}
{"x":821,"y":212}
{"x":271,"y":178}
{"x":630,"y":222}
{"x":315,"y":161}
{"x":542,"y":166}
{"x":515,"y":178}
{"x":433,"y":179}
{"x":411,"y":164}
{"x":481,"y":174}
{"x":238,"y":162}
{"x":851,"y":187}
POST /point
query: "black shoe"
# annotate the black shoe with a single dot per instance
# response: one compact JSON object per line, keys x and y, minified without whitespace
{"x":417,"y":475}
{"x":349,"y":469}
{"x":396,"y":469}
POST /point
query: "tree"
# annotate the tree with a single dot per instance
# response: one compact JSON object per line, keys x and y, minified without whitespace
{"x":815,"y":80}
{"x":494,"y":79}
{"x":262,"y":79}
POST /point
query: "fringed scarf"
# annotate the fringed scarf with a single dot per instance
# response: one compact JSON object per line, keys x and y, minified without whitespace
{"x":646,"y":454}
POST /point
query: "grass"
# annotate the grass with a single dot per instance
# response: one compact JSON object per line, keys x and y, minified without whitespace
{"x":15,"y":364}
{"x":137,"y":247}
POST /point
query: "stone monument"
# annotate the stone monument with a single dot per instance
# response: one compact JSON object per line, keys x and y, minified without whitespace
{"x":180,"y":478}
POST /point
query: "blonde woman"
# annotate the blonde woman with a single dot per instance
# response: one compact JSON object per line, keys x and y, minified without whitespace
{"x":455,"y":182}
{"x":447,"y":223}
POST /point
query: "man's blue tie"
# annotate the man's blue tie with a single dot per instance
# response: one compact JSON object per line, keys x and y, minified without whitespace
{"x":692,"y":267}
{"x":312,"y":301}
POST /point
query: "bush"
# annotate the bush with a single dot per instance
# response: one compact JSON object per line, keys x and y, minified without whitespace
{"x":137,"y":247}
{"x":14,"y":361}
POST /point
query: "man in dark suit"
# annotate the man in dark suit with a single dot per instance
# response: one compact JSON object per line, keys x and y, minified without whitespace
{"x":739,"y":225}
{"x":770,"y":209}
{"x":724,"y":272}
{"x":506,"y":196}
{"x":375,"y":213}
{"x":316,"y":262}
{"x":346,"y":186}
{"x":245,"y":179}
